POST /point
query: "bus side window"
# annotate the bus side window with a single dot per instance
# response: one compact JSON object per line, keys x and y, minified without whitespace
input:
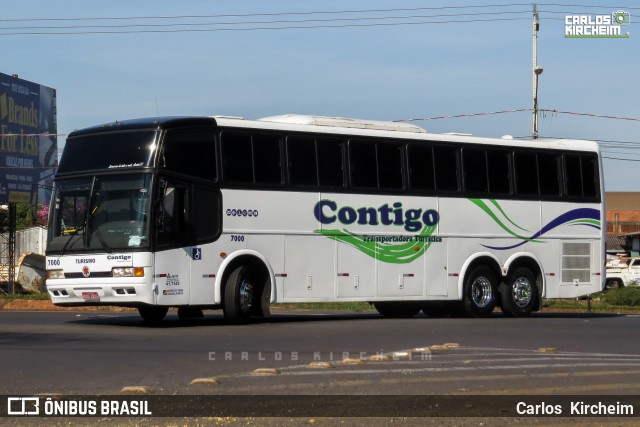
{"x":526,"y":173}
{"x":421,"y":171}
{"x":173,"y":221}
{"x":363,"y":164}
{"x":301,"y":156}
{"x":445,"y":161}
{"x":474,"y":170}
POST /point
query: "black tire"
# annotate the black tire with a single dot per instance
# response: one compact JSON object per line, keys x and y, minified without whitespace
{"x":480,"y":292}
{"x":152,"y":314}
{"x":519,"y":293}
{"x":397,"y":309}
{"x":263,"y":310}
{"x":240,"y":297}
{"x":613,"y":284}
{"x":436,"y":308}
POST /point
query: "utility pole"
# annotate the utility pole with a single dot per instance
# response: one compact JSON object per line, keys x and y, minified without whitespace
{"x":8,"y":249}
{"x":536,"y":71}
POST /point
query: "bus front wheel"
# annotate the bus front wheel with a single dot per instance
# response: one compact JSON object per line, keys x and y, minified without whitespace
{"x":240,"y":296}
{"x":152,"y":313}
{"x":519,"y":294}
{"x":480,"y":292}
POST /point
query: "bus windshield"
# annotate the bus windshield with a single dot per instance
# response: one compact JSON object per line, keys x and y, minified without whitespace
{"x":102,"y":213}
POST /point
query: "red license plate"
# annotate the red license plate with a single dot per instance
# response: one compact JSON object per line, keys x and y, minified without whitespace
{"x":90,"y":296}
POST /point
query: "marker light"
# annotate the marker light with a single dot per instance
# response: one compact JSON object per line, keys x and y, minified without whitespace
{"x":128,"y":272}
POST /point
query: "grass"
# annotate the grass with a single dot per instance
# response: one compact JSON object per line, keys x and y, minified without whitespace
{"x":328,"y":306}
{"x":10,"y":296}
{"x":616,"y":299}
{"x":610,"y":301}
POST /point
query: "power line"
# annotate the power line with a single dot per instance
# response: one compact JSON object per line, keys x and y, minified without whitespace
{"x":620,"y":152}
{"x":624,"y":160}
{"x":599,"y":116}
{"x":456,"y":116}
{"x":294,"y":27}
{"x":587,"y":6}
{"x":245,"y":15}
{"x":65,"y":27}
{"x":143,"y":27}
{"x":320,"y":12}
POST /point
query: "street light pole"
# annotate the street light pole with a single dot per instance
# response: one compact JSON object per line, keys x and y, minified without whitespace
{"x":536,"y":71}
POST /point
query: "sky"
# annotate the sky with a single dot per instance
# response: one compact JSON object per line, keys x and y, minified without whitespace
{"x":369,"y":59}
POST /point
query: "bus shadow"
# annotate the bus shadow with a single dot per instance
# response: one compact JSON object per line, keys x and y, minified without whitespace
{"x":217,"y":319}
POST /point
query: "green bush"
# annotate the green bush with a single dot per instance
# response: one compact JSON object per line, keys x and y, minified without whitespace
{"x":629,"y":296}
{"x":24,"y":218}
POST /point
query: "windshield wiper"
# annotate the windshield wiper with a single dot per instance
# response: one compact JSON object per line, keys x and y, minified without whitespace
{"x":104,"y":244}
{"x":64,"y":248}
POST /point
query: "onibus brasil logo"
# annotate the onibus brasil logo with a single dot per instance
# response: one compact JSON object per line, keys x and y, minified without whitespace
{"x":597,"y":26}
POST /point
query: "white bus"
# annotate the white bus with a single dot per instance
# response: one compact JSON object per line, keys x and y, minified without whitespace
{"x":220,"y":212}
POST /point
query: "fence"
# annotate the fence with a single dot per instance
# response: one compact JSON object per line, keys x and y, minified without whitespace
{"x":27,"y":240}
{"x":622,"y":227}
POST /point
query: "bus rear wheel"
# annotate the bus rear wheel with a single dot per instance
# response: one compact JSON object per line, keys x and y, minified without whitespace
{"x":153,"y":314}
{"x":240,"y":296}
{"x":480,"y":292}
{"x":397,"y":309}
{"x":519,"y":294}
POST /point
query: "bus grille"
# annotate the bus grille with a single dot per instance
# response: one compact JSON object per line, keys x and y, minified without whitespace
{"x":576,"y":262}
{"x":96,"y":274}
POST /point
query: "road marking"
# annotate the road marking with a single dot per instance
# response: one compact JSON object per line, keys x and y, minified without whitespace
{"x":469,"y":366}
{"x":135,"y":390}
{"x":576,"y":389}
{"x":452,"y":369}
{"x":206,"y":381}
{"x":266,"y":371}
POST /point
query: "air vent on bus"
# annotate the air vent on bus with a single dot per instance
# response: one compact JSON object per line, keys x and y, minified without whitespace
{"x":343,"y":122}
{"x":60,"y":293}
{"x":124,"y":291}
{"x":576,"y":262}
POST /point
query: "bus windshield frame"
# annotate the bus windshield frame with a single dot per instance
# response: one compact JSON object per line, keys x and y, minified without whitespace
{"x":101,"y":213}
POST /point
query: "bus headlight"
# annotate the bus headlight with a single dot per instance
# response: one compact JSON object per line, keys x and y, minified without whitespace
{"x":55,"y":274}
{"x":128,"y":272}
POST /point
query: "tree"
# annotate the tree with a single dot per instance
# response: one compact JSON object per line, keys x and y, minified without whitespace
{"x":24,"y":218}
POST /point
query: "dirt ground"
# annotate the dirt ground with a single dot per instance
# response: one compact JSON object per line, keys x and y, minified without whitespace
{"x":46,"y":305}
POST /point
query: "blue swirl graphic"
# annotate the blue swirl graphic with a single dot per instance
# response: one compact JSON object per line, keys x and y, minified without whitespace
{"x":582,"y":215}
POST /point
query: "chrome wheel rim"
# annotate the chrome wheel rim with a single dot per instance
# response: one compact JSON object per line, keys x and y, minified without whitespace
{"x":245,"y":296}
{"x":521,"y":291}
{"x":481,"y":292}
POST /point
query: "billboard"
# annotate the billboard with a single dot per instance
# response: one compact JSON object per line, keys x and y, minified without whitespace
{"x":28,"y":141}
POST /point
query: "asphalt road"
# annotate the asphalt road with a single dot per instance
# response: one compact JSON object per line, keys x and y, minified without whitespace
{"x":101,"y":352}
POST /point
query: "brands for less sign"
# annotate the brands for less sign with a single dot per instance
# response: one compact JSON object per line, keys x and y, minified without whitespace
{"x":28,"y":143}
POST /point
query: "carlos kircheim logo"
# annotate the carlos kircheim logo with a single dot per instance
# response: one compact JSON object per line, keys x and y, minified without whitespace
{"x":612,"y":26}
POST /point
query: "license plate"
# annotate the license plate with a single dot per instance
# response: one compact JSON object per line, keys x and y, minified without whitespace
{"x":90,"y":296}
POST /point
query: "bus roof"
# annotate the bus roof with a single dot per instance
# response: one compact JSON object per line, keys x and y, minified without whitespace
{"x":335,"y":126}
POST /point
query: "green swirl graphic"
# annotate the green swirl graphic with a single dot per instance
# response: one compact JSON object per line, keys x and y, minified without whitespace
{"x":402,"y":253}
{"x":482,"y":205}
